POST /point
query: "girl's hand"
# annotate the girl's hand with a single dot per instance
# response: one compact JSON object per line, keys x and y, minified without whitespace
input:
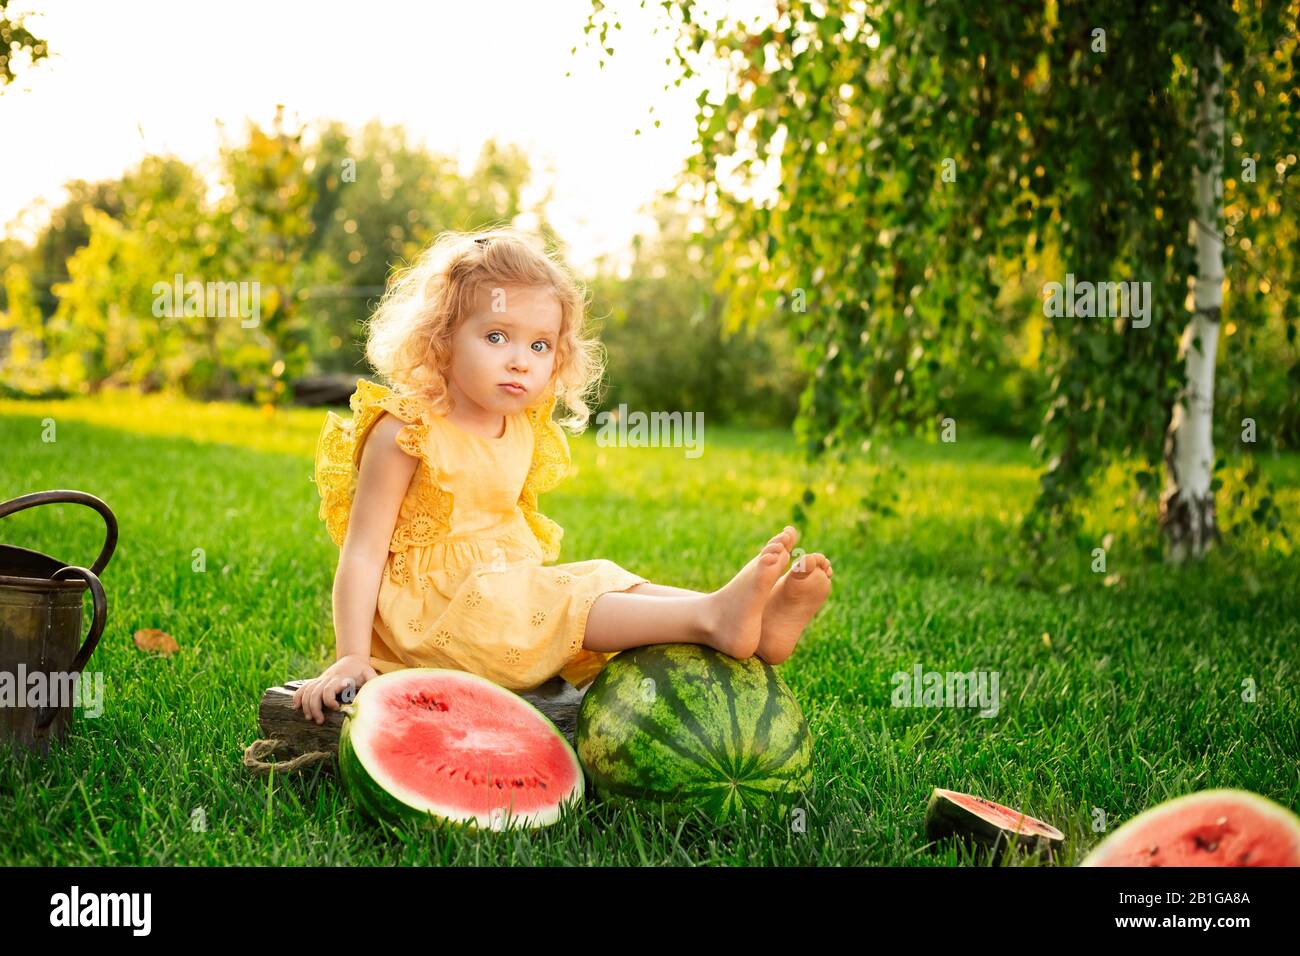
{"x":344,"y":677}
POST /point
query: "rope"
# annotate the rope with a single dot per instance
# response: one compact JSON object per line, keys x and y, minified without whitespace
{"x":261,"y":748}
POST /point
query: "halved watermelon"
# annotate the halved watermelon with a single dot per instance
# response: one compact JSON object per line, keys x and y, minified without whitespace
{"x":985,"y":823}
{"x":1211,"y":828}
{"x":447,"y":743}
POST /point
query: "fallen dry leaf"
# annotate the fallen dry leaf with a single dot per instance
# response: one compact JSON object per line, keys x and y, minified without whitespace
{"x":152,"y":639}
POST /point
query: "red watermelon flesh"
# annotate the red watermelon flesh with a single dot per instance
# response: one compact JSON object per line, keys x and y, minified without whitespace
{"x":449,"y":743}
{"x":953,"y":813}
{"x":1004,"y":818}
{"x":1212,"y":828}
{"x":975,"y":820}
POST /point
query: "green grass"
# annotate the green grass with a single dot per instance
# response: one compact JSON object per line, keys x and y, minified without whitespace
{"x":1118,"y":690}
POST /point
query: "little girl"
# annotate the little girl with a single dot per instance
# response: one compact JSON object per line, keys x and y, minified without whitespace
{"x":431,"y":489}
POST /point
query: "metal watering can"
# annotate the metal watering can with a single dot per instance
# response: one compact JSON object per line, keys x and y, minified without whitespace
{"x":40,"y":625}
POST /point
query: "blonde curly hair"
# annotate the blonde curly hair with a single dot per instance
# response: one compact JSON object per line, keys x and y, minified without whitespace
{"x":408,"y":339}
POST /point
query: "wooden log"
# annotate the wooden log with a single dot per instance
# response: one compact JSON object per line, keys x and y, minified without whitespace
{"x":331,"y":389}
{"x":297,"y":735}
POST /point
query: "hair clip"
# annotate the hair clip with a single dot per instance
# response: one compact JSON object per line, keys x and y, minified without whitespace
{"x":483,"y":241}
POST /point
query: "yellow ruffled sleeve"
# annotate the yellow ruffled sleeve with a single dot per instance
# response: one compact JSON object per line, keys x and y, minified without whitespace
{"x":425,"y":512}
{"x":549,"y":467}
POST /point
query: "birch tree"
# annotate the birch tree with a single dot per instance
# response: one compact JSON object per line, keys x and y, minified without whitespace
{"x":1187,"y":510}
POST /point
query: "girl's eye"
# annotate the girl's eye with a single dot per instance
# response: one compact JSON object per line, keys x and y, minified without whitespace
{"x":541,"y":341}
{"x":545,"y":346}
{"x":500,"y":337}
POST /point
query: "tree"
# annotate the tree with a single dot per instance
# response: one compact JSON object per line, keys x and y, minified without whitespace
{"x":379,"y":201}
{"x":16,"y":39}
{"x":666,"y":346}
{"x":303,"y":214}
{"x":106,"y":330}
{"x":268,"y":203}
{"x":937,"y":156}
{"x":21,"y":333}
{"x":1187,"y":506}
{"x":66,"y":231}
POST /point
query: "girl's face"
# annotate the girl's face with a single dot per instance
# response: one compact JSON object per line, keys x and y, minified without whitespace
{"x":503,"y":355}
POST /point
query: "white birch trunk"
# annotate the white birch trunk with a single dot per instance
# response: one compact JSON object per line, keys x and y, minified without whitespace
{"x":1187,"y":506}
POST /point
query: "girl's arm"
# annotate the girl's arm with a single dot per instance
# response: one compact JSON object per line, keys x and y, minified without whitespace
{"x":382,"y":479}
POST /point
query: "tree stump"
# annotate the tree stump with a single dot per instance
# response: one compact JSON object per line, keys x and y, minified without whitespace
{"x":297,"y":741}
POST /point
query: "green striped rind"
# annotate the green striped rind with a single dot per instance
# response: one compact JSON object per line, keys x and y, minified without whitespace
{"x":710,"y":731}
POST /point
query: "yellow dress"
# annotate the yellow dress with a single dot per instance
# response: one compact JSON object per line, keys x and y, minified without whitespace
{"x":464,"y":585}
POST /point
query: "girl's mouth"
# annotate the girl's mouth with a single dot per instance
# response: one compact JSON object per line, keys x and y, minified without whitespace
{"x":513,"y":388}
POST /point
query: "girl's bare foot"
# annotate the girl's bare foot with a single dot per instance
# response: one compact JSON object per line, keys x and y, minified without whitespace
{"x":737,"y":607}
{"x":793,"y":602}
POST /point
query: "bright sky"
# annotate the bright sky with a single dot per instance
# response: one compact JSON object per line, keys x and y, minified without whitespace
{"x":128,"y":78}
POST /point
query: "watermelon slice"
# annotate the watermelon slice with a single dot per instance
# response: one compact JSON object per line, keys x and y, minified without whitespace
{"x":453,"y":745}
{"x":1211,"y":828}
{"x":986,"y":824}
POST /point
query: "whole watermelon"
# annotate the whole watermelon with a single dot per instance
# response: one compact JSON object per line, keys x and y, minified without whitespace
{"x":695,"y":728}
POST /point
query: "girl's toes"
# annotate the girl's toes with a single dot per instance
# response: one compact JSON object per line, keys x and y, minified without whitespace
{"x":781,"y":540}
{"x":811,"y":563}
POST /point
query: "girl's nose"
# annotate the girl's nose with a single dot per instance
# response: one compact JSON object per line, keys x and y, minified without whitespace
{"x":519,"y":361}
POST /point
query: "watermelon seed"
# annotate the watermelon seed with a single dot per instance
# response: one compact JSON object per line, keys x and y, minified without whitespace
{"x":428,"y":703}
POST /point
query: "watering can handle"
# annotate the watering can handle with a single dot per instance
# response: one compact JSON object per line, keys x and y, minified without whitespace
{"x":72,"y":497}
{"x":46,"y":717}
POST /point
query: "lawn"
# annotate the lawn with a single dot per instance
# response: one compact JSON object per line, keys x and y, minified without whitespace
{"x":1118,"y":690}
